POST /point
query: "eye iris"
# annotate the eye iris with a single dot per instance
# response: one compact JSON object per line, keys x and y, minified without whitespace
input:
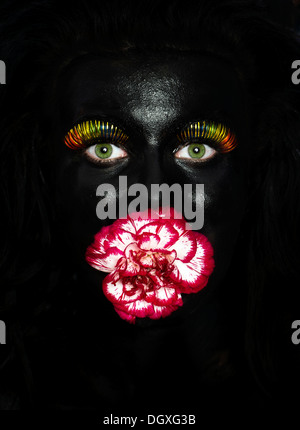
{"x":196,"y":150}
{"x":103,"y":150}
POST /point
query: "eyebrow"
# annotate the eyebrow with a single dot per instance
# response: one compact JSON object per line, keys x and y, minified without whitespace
{"x":85,"y":132}
{"x":216,"y":132}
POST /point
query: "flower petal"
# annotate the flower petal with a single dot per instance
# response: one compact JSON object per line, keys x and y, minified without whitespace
{"x":124,"y":224}
{"x":100,"y":240}
{"x":162,"y":311}
{"x":185,"y":246}
{"x":140,"y":219}
{"x":150,"y":227}
{"x":191,"y":280}
{"x":164,"y":229}
{"x":120,"y":239}
{"x":147,"y":241}
{"x":139,"y":308}
{"x":157,"y":280}
{"x":117,"y":294}
{"x":125,"y":316}
{"x":187,"y":276}
{"x":204,"y":253}
{"x":179,"y":225}
{"x":131,"y":268}
{"x":162,"y":296}
{"x":106,"y":262}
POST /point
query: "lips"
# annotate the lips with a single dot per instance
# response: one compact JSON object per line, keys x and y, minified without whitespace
{"x":150,"y":263}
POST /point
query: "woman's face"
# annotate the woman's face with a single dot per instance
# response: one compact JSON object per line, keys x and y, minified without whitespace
{"x":151,"y":98}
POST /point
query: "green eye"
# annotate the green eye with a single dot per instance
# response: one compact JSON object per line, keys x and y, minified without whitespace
{"x":199,"y":152}
{"x":105,"y":153}
{"x":196,"y":150}
{"x":103,"y":150}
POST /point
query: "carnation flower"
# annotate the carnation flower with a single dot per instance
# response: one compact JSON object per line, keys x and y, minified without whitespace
{"x":150,"y":262}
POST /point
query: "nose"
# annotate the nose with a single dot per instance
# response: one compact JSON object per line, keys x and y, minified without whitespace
{"x":149,"y":172}
{"x":152,"y":170}
{"x":162,"y":183}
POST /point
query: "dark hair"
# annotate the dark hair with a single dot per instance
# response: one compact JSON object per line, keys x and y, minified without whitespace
{"x":37,"y":39}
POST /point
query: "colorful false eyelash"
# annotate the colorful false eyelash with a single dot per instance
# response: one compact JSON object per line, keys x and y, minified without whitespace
{"x":209,"y":130}
{"x":82,"y":134}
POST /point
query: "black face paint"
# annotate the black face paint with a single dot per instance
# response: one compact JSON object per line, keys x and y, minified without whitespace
{"x":151,"y":98}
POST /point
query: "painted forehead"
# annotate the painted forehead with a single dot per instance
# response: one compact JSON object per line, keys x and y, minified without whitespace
{"x":103,"y":88}
{"x":188,"y":79}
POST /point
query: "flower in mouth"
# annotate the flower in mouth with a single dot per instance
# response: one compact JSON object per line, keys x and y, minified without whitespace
{"x":151,"y":262}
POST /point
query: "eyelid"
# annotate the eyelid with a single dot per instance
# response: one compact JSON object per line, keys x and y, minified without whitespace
{"x":214,"y":133}
{"x":85,"y":133}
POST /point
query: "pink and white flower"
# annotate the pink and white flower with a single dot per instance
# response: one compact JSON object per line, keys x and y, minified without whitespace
{"x":150,"y":262}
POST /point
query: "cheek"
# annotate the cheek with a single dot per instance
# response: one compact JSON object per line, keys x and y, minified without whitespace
{"x":225,"y":202}
{"x":76,"y":200}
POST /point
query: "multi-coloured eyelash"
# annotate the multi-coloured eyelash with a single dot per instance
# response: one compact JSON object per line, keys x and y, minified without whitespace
{"x":214,"y":132}
{"x":81,"y":135}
